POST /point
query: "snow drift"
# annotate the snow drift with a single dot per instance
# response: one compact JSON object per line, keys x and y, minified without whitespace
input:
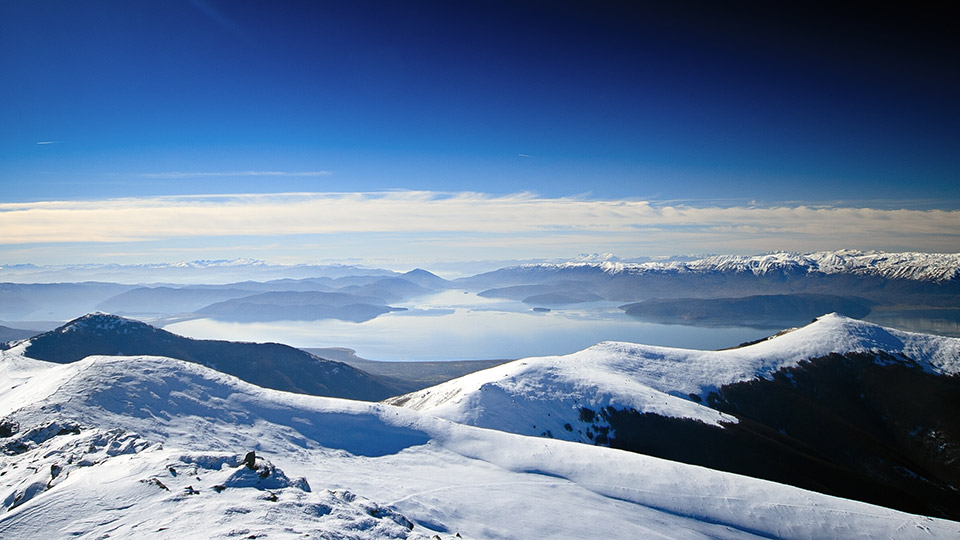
{"x":124,"y":446}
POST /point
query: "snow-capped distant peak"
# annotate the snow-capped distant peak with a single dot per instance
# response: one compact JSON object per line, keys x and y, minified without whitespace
{"x":208,"y":263}
{"x":597,"y":257}
{"x":937,"y":267}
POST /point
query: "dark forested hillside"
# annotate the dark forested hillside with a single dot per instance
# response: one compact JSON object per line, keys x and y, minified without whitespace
{"x":270,"y":365}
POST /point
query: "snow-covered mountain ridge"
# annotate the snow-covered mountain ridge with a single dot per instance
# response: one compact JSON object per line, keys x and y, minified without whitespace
{"x":936,"y":267}
{"x":659,"y":380}
{"x":100,"y":323}
{"x":840,"y":406}
{"x":132,"y":446}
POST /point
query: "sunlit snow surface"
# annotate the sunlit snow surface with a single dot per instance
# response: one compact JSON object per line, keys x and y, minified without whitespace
{"x":143,"y":447}
{"x":535,"y":395}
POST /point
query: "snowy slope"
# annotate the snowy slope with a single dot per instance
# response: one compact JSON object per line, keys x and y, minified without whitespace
{"x":912,"y":266}
{"x":535,"y":395}
{"x":126,"y":446}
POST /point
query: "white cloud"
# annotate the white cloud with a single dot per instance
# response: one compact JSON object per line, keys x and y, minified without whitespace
{"x":522,"y":225}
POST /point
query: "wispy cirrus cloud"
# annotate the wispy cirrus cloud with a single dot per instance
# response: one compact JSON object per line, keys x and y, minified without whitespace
{"x":473,"y":224}
{"x":202,"y":174}
{"x":48,"y":142}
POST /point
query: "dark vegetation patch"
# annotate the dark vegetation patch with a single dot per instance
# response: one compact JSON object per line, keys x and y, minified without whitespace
{"x":270,"y":365}
{"x":858,"y":426}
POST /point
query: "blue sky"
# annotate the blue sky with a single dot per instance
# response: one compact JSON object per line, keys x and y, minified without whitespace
{"x":650,"y":129}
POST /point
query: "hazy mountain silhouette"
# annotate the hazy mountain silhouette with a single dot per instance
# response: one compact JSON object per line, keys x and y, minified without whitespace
{"x":768,"y":310}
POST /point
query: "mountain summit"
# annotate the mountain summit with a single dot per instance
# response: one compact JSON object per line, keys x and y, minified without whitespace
{"x":270,"y":365}
{"x":839,"y":406}
{"x":425,"y":279}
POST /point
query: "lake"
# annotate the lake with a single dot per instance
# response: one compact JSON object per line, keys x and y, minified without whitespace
{"x":455,"y":325}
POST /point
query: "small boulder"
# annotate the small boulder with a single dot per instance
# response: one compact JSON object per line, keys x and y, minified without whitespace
{"x":250,"y":460}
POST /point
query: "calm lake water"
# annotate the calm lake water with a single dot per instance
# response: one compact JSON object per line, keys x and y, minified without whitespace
{"x":455,"y":325}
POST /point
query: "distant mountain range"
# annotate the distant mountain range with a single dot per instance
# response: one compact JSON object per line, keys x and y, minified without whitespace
{"x":937,"y":267}
{"x":14,"y":334}
{"x":184,"y":272}
{"x":840,"y":406}
{"x":53,"y":301}
{"x":771,"y":311}
{"x":351,"y":297}
{"x":917,"y":267}
{"x":270,"y":365}
{"x":170,"y":300}
{"x":744,"y":288}
{"x":297,"y":306}
{"x":545,"y":295}
{"x":741,"y":289}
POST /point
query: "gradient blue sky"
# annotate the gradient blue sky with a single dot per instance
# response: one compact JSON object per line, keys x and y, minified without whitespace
{"x":426,"y":127}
